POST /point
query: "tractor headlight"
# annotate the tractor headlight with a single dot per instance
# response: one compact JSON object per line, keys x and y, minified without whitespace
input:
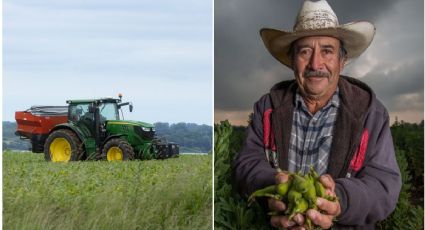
{"x":146,"y":129}
{"x":146,"y":133}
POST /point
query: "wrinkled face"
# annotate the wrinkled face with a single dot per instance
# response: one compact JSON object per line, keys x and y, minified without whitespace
{"x":317,"y":65}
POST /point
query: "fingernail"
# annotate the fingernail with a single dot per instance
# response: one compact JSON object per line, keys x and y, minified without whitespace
{"x":325,"y":179}
{"x":319,"y":201}
{"x":281,"y":177}
{"x":291,"y":223}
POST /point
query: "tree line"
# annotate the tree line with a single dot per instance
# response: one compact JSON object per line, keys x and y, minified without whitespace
{"x":191,"y":137}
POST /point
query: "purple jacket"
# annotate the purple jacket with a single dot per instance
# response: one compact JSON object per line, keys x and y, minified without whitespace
{"x":362,"y":159}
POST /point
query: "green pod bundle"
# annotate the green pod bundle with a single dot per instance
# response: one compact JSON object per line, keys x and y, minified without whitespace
{"x":299,"y":194}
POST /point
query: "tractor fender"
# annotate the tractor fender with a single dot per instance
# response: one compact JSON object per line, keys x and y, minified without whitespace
{"x":111,"y":137}
{"x":81,"y":135}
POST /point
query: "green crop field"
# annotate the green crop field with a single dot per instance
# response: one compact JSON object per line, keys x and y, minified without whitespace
{"x":157,"y":194}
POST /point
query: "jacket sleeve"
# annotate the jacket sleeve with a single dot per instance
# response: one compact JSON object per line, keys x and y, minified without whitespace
{"x":250,"y":169}
{"x":371,"y":195}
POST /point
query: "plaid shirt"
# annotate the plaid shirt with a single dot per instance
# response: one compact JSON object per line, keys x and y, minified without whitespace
{"x":311,"y":136}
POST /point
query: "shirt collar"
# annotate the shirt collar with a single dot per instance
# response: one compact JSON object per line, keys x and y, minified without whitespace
{"x":334,"y":101}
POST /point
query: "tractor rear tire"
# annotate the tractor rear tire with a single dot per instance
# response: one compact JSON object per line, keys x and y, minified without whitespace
{"x":62,"y":146}
{"x":117,"y":149}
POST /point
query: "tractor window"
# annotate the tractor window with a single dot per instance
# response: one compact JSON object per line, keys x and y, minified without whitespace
{"x":109,"y":111}
{"x":76,"y":112}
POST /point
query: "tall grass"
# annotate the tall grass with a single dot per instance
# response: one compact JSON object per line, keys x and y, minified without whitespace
{"x":156,"y":194}
{"x":231,"y":211}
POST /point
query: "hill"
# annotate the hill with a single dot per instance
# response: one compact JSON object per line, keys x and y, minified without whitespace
{"x":10,"y":140}
{"x":192,"y":138}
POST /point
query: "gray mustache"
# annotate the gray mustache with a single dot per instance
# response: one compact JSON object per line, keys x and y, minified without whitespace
{"x":317,"y":73}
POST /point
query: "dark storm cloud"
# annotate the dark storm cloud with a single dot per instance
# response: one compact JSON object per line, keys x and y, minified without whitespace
{"x":348,"y":11}
{"x":244,"y":70}
{"x":394,"y":85}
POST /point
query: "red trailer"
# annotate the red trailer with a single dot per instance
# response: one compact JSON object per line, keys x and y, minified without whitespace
{"x":36,"y":123}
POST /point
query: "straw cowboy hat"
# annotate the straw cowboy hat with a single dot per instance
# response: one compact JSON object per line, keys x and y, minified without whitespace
{"x":316,"y":18}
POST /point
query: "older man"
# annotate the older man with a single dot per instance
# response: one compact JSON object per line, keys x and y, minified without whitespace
{"x":324,"y":119}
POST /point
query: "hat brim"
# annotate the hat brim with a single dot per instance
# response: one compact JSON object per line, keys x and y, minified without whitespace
{"x":355,"y":36}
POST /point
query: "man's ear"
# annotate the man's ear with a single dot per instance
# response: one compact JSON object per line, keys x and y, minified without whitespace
{"x":342,"y":64}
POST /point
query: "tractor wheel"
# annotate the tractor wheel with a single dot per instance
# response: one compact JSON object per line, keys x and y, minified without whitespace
{"x":117,"y":149}
{"x":63,"y":146}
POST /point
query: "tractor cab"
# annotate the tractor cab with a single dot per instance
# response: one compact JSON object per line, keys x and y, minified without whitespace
{"x":91,"y":116}
{"x":85,"y":110}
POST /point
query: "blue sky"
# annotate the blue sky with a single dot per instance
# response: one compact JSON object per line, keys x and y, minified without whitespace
{"x":158,"y":54}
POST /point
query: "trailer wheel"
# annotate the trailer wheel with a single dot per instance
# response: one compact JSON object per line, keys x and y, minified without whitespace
{"x":62,"y":146}
{"x":117,"y":149}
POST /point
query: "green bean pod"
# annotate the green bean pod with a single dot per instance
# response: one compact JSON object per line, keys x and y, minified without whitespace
{"x":301,"y":206}
{"x":290,"y":208}
{"x":310,"y":195}
{"x":293,"y":195}
{"x":313,"y":173}
{"x":292,"y":198}
{"x":283,"y":188}
{"x":330,"y":198}
{"x":300,"y":183}
{"x":320,"y":190}
{"x":267,"y":191}
{"x":308,"y":223}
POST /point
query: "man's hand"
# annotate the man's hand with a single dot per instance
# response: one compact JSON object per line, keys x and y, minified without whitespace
{"x":281,"y":221}
{"x":330,"y":209}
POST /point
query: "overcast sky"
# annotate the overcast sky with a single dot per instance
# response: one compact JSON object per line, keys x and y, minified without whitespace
{"x":244,"y":70}
{"x":158,"y":54}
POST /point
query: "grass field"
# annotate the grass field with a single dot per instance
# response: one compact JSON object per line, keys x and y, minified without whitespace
{"x":157,"y":194}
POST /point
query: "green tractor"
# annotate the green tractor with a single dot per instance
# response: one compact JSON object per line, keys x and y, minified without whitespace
{"x":93,"y":131}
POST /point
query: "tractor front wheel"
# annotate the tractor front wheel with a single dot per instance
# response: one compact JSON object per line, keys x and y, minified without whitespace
{"x":62,"y":146}
{"x":117,"y":149}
